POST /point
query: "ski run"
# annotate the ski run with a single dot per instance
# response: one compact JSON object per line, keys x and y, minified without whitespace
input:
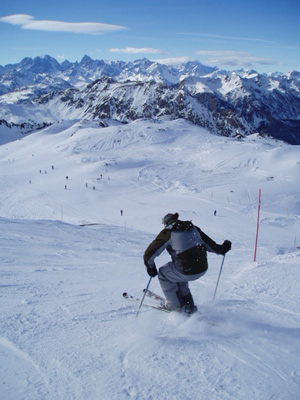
{"x":80,"y":203}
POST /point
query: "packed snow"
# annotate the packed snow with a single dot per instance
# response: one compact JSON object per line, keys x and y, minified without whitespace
{"x":68,"y":254}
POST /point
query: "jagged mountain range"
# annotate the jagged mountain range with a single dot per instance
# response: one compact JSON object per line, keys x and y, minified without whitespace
{"x":42,"y":91}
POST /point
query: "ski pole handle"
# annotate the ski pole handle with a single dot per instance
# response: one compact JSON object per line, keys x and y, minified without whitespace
{"x":147,"y":287}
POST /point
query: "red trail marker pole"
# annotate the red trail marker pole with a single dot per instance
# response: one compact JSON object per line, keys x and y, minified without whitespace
{"x":259,"y":198}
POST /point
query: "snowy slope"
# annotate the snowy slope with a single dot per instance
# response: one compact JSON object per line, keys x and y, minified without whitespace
{"x":66,"y":331}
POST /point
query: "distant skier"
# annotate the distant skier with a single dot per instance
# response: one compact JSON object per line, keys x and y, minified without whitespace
{"x":187,"y":246}
{"x":121,"y":211}
{"x":215,"y":212}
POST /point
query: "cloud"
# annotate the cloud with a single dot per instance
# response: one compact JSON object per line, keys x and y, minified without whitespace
{"x":136,"y":50}
{"x":173,"y":60}
{"x":60,"y":57}
{"x":223,"y":37}
{"x":17,"y":19}
{"x":233,"y":58}
{"x":29,"y":22}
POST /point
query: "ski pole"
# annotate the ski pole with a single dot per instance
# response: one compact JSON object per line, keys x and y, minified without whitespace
{"x":219,"y":277}
{"x":145,"y":291}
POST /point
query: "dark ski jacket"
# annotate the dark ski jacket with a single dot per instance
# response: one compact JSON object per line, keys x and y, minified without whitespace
{"x":186,"y":244}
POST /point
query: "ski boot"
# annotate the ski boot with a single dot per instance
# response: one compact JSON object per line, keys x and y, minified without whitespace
{"x":188,"y":306}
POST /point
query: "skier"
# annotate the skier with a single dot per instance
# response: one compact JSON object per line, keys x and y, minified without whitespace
{"x":187,"y":246}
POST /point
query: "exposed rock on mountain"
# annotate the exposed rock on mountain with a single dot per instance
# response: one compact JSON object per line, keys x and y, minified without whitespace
{"x":227,"y":103}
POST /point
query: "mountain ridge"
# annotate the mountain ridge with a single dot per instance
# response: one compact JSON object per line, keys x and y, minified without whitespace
{"x":235,"y":103}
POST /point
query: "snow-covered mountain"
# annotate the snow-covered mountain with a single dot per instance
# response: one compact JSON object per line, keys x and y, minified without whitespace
{"x":227,"y":103}
{"x":29,"y":71}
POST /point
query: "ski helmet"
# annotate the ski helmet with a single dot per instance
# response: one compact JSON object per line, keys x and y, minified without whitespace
{"x":169,"y":218}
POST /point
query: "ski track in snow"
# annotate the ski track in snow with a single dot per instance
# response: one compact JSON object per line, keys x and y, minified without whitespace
{"x":65,"y":330}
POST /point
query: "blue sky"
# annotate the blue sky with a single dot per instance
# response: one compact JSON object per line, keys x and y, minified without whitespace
{"x":263,"y":35}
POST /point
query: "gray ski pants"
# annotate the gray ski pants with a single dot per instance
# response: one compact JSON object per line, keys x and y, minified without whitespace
{"x":172,"y":281}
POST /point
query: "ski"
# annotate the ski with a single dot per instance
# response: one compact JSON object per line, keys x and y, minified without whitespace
{"x":154,"y":296}
{"x":162,"y":300}
{"x":137,"y":300}
{"x":160,"y":306}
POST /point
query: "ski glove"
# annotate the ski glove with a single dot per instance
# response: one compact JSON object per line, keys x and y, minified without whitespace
{"x":226,"y":246}
{"x":152,"y":271}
